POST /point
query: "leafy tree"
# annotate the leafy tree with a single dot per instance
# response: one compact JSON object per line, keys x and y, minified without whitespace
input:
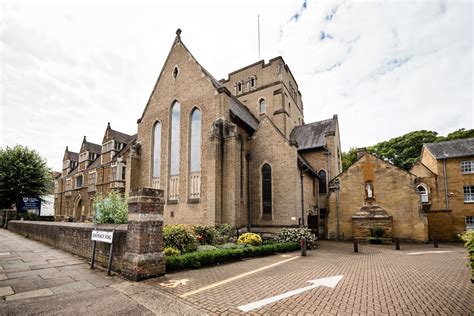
{"x":460,"y":133}
{"x":110,"y":208}
{"x":23,"y":173}
{"x":348,"y":158}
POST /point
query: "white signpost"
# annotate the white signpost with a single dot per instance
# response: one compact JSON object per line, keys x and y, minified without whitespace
{"x":102,"y":236}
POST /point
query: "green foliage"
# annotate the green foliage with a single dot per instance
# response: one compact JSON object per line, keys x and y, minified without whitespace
{"x":110,"y":208}
{"x":295,"y":235}
{"x":227,"y":232}
{"x":180,"y":237}
{"x":405,"y":150}
{"x":197,"y":259}
{"x":206,"y":235}
{"x":171,"y":251}
{"x":23,"y":173}
{"x":468,"y":238}
{"x":348,"y":158}
{"x":29,"y":216}
{"x":460,"y":133}
{"x":377,"y":232}
{"x":206,"y":248}
{"x":250,"y":239}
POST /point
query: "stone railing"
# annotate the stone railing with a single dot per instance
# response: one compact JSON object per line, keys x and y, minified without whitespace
{"x":155,"y":183}
{"x":174,"y":188}
{"x":195,"y":185}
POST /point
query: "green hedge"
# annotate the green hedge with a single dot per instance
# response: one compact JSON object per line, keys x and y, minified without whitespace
{"x":195,"y":260}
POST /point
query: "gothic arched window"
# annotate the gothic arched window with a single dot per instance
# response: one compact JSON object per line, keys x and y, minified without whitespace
{"x":322,"y":181}
{"x":262,"y":107}
{"x":266,"y":189}
{"x":195,"y":146}
{"x":175,"y":138}
{"x":156,"y":150}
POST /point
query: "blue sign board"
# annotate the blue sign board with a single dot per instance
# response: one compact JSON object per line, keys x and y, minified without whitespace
{"x":31,"y":205}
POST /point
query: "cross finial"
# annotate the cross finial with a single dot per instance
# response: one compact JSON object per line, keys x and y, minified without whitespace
{"x":178,"y":32}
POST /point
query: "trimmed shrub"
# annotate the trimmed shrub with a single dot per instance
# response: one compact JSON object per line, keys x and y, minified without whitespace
{"x":250,"y":239}
{"x":171,"y":251}
{"x":180,"y":237}
{"x":194,"y":260}
{"x":468,"y":238}
{"x":111,"y":208}
{"x":227,"y":232}
{"x":295,"y":235}
{"x":206,"y":248}
{"x":206,"y":235}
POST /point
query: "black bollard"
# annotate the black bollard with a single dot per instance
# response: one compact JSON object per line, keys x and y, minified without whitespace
{"x":435,"y":242}
{"x":303,"y":246}
{"x":356,"y":246}
{"x":397,"y":243}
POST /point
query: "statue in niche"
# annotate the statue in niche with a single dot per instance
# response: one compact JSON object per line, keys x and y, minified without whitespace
{"x":369,"y":190}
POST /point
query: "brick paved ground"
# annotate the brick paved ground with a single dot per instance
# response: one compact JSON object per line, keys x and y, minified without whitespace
{"x":377,"y":281}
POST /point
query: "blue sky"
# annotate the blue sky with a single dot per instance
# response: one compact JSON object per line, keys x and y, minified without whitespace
{"x":385,"y":67}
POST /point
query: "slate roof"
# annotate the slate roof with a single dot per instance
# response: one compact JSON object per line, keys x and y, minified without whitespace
{"x":452,"y":149}
{"x":305,"y":163}
{"x":121,"y":137}
{"x":311,"y":135}
{"x":72,"y":156}
{"x":94,"y":148}
{"x":243,"y":113}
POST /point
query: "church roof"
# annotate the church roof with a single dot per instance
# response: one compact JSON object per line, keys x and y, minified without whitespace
{"x":242,"y":112}
{"x":452,"y":149}
{"x":309,"y":136}
{"x":94,"y":148}
{"x":72,"y":156}
{"x":121,"y":137}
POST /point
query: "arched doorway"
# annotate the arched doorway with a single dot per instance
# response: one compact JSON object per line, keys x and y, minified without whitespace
{"x":78,"y":209}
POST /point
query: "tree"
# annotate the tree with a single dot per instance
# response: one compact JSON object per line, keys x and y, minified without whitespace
{"x":23,"y":173}
{"x":348,"y":158}
{"x":460,"y":133}
{"x":403,"y":151}
{"x":110,"y":208}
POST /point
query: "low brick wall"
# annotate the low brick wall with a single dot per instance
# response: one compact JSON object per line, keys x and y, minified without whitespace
{"x":75,"y":238}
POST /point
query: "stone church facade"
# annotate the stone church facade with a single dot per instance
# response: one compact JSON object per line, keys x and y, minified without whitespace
{"x":233,"y":151}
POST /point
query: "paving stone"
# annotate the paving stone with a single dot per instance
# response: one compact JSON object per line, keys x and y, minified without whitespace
{"x":16,"y":275}
{"x":72,"y":287}
{"x":30,"y":294}
{"x":3,"y":276}
{"x":6,"y":290}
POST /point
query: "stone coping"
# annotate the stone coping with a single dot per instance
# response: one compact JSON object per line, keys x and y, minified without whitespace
{"x":78,"y":225}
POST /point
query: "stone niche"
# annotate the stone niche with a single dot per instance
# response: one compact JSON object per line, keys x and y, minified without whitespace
{"x":371,"y":216}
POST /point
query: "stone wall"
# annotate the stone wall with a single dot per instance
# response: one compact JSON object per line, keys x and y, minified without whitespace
{"x":7,"y":215}
{"x":75,"y":238}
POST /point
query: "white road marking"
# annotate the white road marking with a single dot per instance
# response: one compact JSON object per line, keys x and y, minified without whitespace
{"x":423,"y":252}
{"x":329,"y":282}
{"x":174,"y":283}
{"x":235,"y":278}
{"x":4,"y":253}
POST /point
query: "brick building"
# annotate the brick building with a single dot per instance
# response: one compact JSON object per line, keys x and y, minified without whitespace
{"x":95,"y":168}
{"x":233,"y":151}
{"x":446,"y":173}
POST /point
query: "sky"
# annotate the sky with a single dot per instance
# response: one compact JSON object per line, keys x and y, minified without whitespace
{"x":385,"y":67}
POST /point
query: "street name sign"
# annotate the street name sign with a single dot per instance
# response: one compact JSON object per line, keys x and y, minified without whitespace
{"x":102,"y":236}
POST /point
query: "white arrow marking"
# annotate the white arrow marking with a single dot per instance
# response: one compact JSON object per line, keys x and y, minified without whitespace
{"x":423,"y":252}
{"x":329,"y":282}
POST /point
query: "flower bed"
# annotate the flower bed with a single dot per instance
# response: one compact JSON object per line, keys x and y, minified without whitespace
{"x":198,"y":259}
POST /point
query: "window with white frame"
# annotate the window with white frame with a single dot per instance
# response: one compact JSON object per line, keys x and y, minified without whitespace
{"x":108,"y":146}
{"x":83,"y":156}
{"x":469,"y":222}
{"x":469,"y":193}
{"x":114,"y":173}
{"x":79,"y":182}
{"x":467,"y":166}
{"x":423,"y":191}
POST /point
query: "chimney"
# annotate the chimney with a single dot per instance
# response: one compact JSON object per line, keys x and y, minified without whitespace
{"x":361,"y":151}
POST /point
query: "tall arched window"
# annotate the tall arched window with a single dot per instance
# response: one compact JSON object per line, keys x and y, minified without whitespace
{"x":175,"y":138}
{"x":195,"y":150}
{"x":156,"y":150}
{"x":262,"y":107}
{"x":322,"y":182}
{"x":267,"y":189}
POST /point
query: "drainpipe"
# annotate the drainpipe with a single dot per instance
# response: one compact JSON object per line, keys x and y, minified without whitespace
{"x":222,"y":169}
{"x":249,"y":191}
{"x":445,"y":175}
{"x":336,"y":187}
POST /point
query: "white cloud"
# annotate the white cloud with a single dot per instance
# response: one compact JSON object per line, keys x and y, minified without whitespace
{"x":385,"y":67}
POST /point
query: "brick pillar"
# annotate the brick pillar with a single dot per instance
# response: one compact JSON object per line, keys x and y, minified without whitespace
{"x":143,"y":257}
